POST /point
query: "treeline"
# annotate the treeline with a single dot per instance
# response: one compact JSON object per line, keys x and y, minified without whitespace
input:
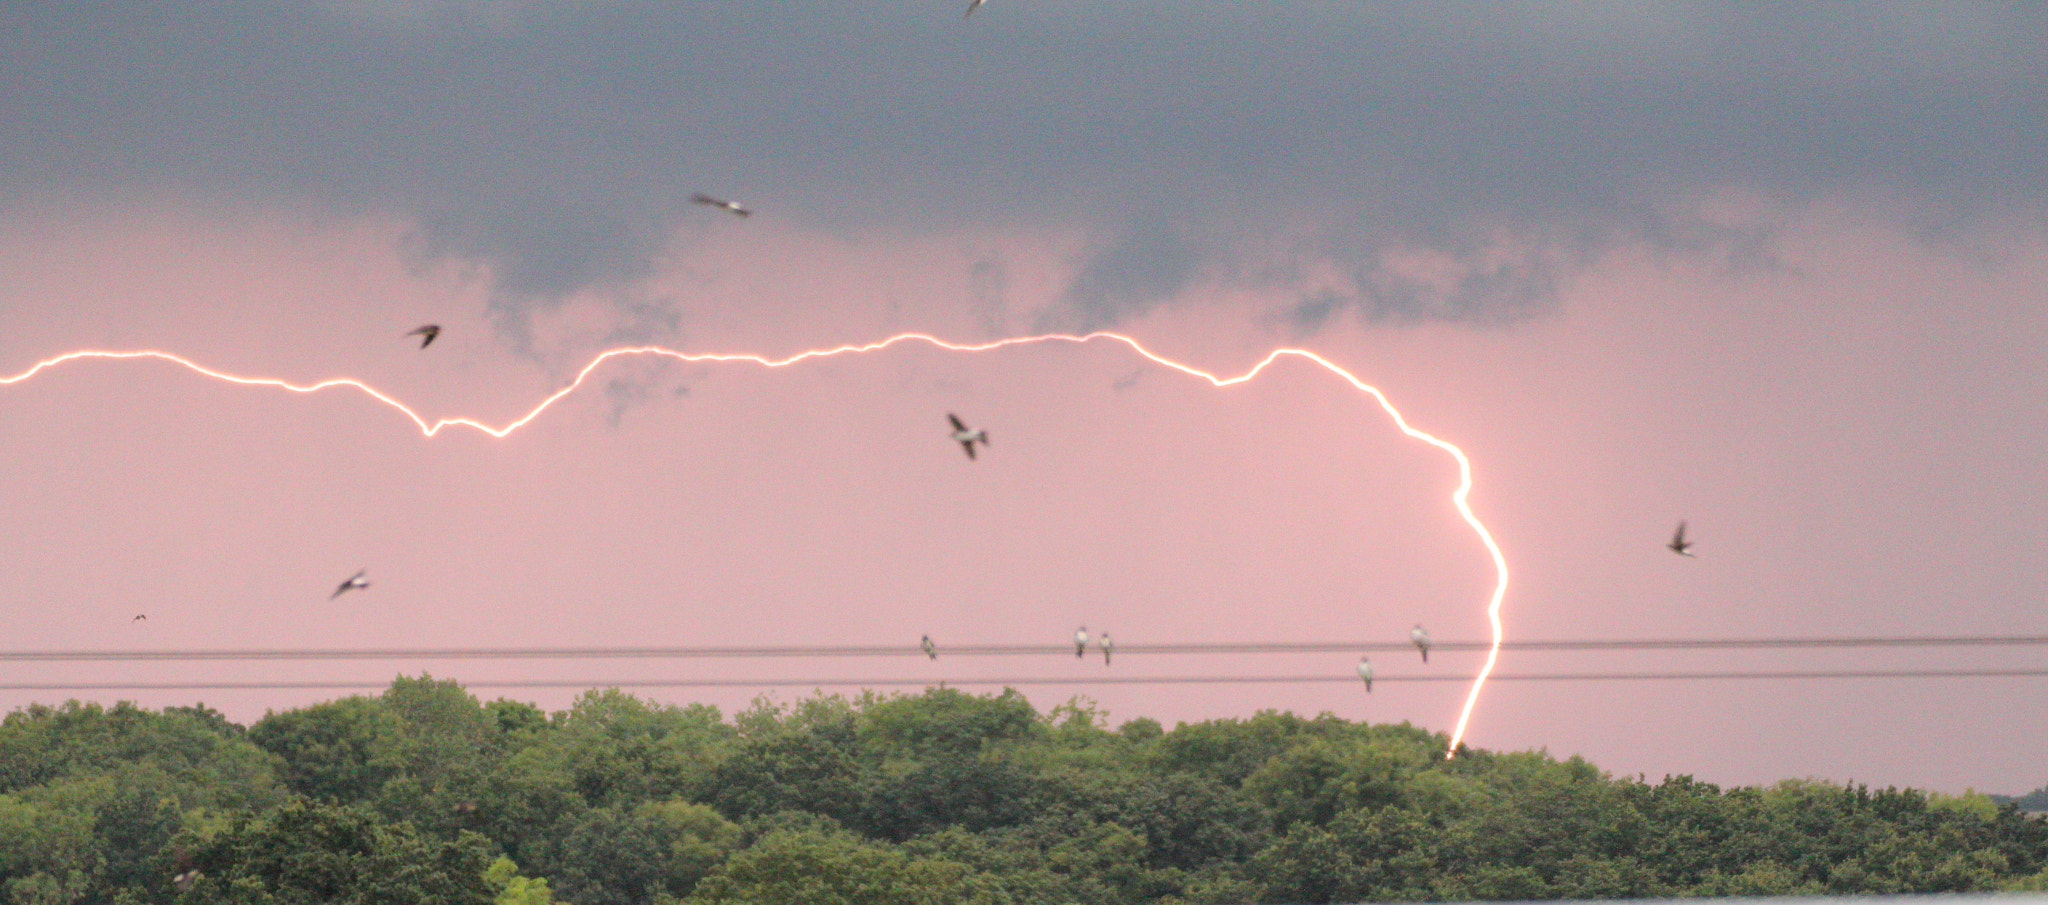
{"x":424,"y":795}
{"x":2036,"y":800}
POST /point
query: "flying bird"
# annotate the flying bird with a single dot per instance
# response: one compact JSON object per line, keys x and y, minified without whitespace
{"x":965,"y":436}
{"x":930,"y":650}
{"x":722,"y":204}
{"x":1365,"y":672}
{"x":139,"y":618}
{"x":1421,"y":639}
{"x":355,"y":582}
{"x":973,"y":5}
{"x":1107,"y":646}
{"x":426,"y":333}
{"x":1080,"y":641}
{"x":181,"y":861}
{"x":1679,"y":544}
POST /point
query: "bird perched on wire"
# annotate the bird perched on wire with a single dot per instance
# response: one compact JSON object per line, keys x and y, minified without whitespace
{"x":732,"y":207}
{"x":966,"y":437}
{"x":1107,"y":646}
{"x":930,"y":650}
{"x":1365,"y":672}
{"x":1080,"y":641}
{"x":1679,"y":544}
{"x":426,"y":333}
{"x":356,"y":582}
{"x":1421,"y":639}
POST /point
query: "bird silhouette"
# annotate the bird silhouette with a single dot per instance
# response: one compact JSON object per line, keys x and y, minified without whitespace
{"x":965,"y":436}
{"x":730,"y":206}
{"x":930,"y":650}
{"x":357,"y":581}
{"x":426,"y":333}
{"x":973,"y":5}
{"x":1679,"y":544}
{"x":1421,"y":639}
{"x":1365,"y":672}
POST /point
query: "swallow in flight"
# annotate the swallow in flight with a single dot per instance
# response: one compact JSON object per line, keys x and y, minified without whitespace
{"x":1679,"y":544}
{"x":426,"y":333}
{"x":731,"y":206}
{"x":355,"y":582}
{"x":965,"y":436}
{"x":973,"y":5}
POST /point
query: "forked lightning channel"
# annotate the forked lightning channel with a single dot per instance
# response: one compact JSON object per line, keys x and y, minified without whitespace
{"x":1459,"y":497}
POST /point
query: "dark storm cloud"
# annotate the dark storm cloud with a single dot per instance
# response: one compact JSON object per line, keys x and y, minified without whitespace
{"x":1144,"y":266}
{"x":1463,"y":281}
{"x":557,"y":144}
{"x":1493,"y":276}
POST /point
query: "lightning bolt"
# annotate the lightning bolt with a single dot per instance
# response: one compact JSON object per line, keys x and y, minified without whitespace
{"x":1460,"y":498}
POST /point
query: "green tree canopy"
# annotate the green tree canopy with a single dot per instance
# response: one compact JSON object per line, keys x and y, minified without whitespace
{"x":424,"y":794}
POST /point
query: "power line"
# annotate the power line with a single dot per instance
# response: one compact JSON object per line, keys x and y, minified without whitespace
{"x":1765,"y":675}
{"x":1008,"y":650}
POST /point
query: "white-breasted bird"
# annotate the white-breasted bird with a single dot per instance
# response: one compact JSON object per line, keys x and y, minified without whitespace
{"x":731,"y":206}
{"x":1365,"y":672}
{"x":930,"y":650}
{"x":357,"y":581}
{"x":1678,"y":543}
{"x":1421,"y":639}
{"x":426,"y":333}
{"x":1080,"y":641}
{"x":1107,"y":646}
{"x":965,"y":436}
{"x":973,"y":5}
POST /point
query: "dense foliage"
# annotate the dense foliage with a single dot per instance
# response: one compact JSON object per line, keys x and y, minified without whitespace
{"x":423,"y":795}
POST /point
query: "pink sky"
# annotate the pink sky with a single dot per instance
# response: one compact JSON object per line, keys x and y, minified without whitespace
{"x":1854,"y":434}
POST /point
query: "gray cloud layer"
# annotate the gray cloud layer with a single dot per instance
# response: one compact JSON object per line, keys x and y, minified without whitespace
{"x":559,"y":143}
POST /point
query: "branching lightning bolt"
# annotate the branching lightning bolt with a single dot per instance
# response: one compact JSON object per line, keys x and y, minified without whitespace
{"x":1459,"y":497}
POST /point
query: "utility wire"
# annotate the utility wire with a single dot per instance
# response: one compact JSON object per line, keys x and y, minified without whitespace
{"x":1008,"y":650}
{"x":1772,"y":675}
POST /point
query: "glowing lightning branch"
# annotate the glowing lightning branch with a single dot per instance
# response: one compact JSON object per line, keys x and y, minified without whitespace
{"x":430,"y":429}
